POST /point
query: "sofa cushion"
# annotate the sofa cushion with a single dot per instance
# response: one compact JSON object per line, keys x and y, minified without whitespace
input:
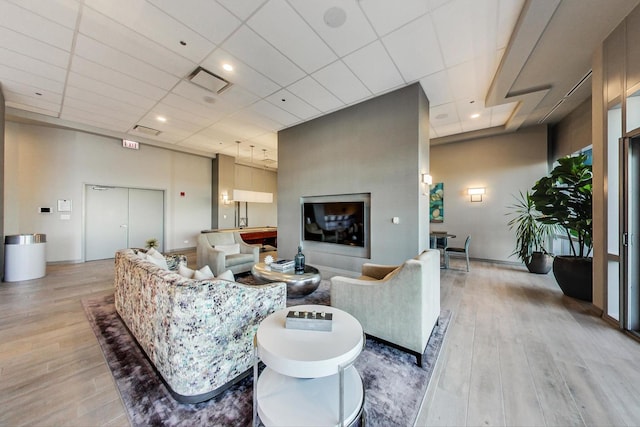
{"x":226,"y":275}
{"x":236,"y":259}
{"x":157,"y":258}
{"x":185,"y":271}
{"x":203,"y":274}
{"x":229,"y":249}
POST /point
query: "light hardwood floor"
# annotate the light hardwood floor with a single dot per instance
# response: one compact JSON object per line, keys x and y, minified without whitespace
{"x":516,"y":353}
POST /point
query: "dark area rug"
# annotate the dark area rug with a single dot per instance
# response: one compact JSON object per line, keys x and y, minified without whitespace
{"x":394,"y":384}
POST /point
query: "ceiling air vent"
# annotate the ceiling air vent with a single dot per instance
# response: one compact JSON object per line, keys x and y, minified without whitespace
{"x":209,"y":81}
{"x":147,"y":131}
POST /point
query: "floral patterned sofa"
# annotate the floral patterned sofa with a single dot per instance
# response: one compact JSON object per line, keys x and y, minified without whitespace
{"x":198,"y":334}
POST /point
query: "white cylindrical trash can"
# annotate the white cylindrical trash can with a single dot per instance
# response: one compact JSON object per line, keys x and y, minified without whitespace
{"x":24,"y":257}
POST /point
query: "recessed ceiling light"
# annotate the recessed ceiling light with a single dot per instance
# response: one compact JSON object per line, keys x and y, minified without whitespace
{"x":475,"y":116}
{"x":227,"y":67}
{"x":161,"y":119}
{"x":208,"y":99}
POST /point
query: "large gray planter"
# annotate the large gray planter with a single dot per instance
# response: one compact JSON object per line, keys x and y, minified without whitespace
{"x":574,"y":276}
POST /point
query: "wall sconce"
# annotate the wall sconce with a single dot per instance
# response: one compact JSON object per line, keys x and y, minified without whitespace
{"x":427,"y":179}
{"x":475,"y":194}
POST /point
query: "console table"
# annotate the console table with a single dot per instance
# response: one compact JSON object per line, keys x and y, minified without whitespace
{"x":254,"y":235}
{"x":309,"y":378}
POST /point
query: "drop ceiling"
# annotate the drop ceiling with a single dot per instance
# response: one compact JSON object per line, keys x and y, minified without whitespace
{"x":108,"y":67}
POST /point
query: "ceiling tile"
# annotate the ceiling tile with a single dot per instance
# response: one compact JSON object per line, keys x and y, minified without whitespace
{"x":116,"y":79}
{"x":436,"y":87}
{"x":31,"y":107}
{"x":26,"y":78}
{"x":212,"y":112}
{"x":101,"y":54}
{"x":173,"y":124}
{"x":242,"y":74}
{"x":500,"y":114}
{"x":201,"y":142}
{"x":445,"y":130}
{"x":242,"y":9}
{"x":272,"y":112}
{"x":63,"y":12}
{"x":466,"y":29}
{"x":243,"y":130}
{"x":315,"y":94}
{"x":465,"y":83}
{"x":38,"y":27}
{"x":156,"y":25}
{"x":22,"y":96}
{"x":257,"y":119}
{"x":88,"y":118}
{"x":206,"y":17}
{"x":176,"y":115}
{"x":294,"y":105}
{"x":415,"y":60}
{"x":340,"y":81}
{"x":109,"y":108}
{"x":33,"y":48}
{"x":306,"y":49}
{"x":444,"y":114}
{"x":121,"y":38}
{"x":32,"y":65}
{"x":261,"y":56}
{"x":386,"y":18}
{"x":269,"y":141}
{"x":355,"y":33}
{"x":91,"y":87}
{"x":231,"y":99}
{"x":508,"y":13}
{"x":374,"y":68}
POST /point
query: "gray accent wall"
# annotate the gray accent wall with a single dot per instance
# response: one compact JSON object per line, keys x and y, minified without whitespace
{"x":2,"y":119}
{"x":381,"y":147}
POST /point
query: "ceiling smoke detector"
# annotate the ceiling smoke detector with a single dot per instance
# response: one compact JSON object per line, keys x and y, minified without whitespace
{"x":209,"y":81}
{"x":335,"y":17}
{"x":146,"y":130}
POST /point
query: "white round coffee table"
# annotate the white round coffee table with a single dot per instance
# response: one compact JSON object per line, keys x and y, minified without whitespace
{"x":309,"y":379}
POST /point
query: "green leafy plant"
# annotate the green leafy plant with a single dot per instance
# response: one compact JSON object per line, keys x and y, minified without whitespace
{"x":564,"y":198}
{"x":531,"y":234}
{"x":152,"y":243}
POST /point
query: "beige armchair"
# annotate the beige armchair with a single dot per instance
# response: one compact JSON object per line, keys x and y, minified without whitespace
{"x":397,"y":304}
{"x":225,"y":251}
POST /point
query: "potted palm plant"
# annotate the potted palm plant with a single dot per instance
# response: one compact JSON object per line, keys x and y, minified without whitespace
{"x":531,"y":234}
{"x":564,"y":198}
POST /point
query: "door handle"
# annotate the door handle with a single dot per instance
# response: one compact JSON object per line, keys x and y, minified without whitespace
{"x":123,"y":226}
{"x":625,"y":239}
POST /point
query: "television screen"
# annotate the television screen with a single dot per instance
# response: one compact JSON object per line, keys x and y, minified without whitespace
{"x":341,"y":223}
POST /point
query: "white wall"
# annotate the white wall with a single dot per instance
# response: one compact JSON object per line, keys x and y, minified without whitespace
{"x":503,"y":164}
{"x":44,"y":164}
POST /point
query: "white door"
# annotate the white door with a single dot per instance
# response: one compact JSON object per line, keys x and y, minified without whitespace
{"x":146,"y":219}
{"x":118,"y":218}
{"x":106,"y":221}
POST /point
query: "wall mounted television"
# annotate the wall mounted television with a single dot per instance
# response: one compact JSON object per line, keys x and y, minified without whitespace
{"x":335,"y":223}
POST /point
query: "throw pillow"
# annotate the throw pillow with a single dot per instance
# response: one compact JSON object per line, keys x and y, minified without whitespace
{"x":185,"y":271}
{"x":229,"y":249}
{"x":160,"y":262}
{"x":226,"y":275}
{"x":203,"y":274}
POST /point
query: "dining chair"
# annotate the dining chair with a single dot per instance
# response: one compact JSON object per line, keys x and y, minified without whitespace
{"x":454,"y":250}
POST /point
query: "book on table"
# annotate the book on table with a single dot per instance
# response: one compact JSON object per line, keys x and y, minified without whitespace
{"x":282,"y":265}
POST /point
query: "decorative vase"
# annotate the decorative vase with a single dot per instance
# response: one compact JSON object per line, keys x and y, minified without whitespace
{"x":574,"y":276}
{"x":540,"y":263}
{"x":299,"y":261}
